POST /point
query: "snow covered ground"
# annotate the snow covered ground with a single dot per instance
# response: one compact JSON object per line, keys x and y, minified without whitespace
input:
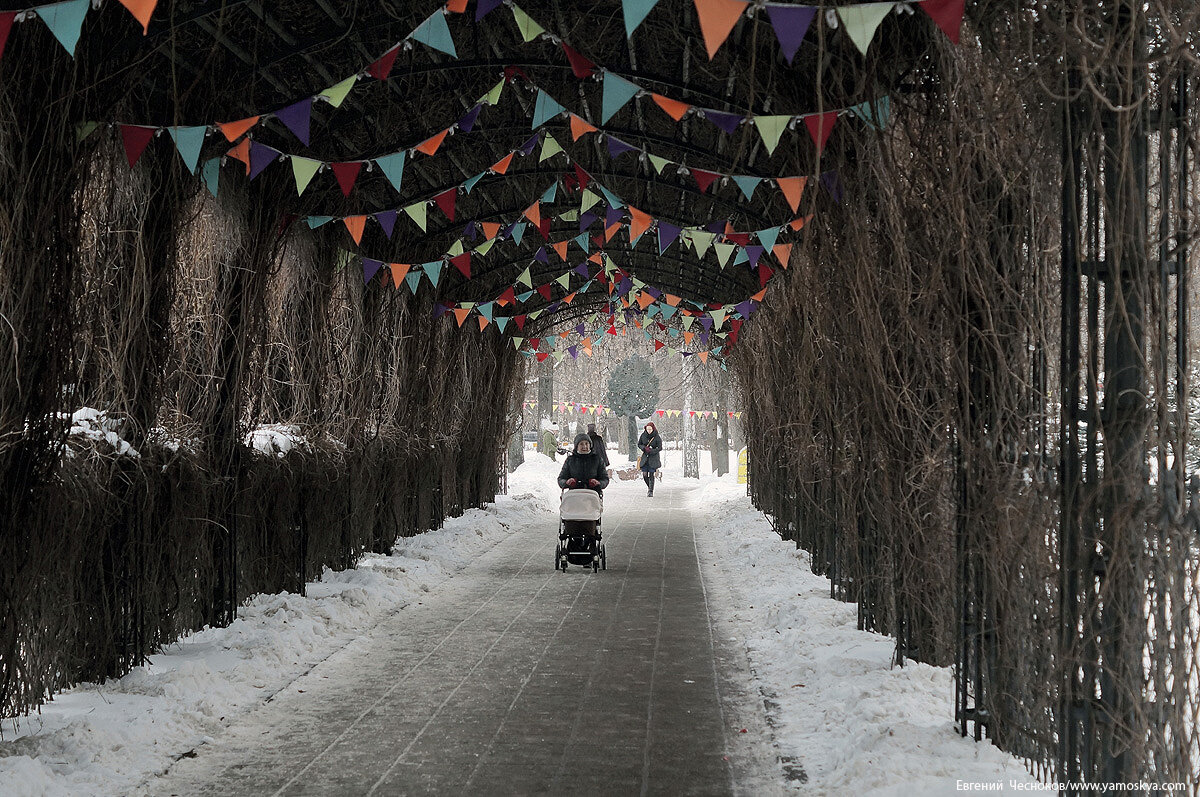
{"x":856,"y":725}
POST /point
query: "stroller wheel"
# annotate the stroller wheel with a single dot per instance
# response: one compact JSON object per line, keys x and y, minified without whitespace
{"x":603,"y":559}
{"x":557,"y":555}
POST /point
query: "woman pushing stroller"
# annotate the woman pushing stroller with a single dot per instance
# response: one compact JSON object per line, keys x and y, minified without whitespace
{"x":583,"y":477}
{"x":583,"y":469}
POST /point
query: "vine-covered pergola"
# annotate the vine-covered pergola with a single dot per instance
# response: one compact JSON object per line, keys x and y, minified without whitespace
{"x":944,"y":258}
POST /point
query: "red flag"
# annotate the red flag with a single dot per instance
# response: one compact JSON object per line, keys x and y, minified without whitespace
{"x":383,"y":67}
{"x":544,"y":290}
{"x":544,"y":228}
{"x":6,"y":23}
{"x":764,"y":274}
{"x":947,"y":14}
{"x":704,"y":179}
{"x":541,"y":356}
{"x":580,"y":65}
{"x":820,"y":125}
{"x":508,"y":297}
{"x":519,"y":320}
{"x":463,"y":263}
{"x":445,"y":201}
{"x":346,"y":174}
{"x":583,"y":176}
{"x":135,"y":138}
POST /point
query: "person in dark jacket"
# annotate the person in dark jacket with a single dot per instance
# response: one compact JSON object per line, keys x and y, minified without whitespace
{"x":650,"y":443}
{"x":598,"y":444}
{"x":583,"y":468}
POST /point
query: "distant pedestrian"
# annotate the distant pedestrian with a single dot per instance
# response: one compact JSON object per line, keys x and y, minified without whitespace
{"x":598,"y":444}
{"x":650,"y":443}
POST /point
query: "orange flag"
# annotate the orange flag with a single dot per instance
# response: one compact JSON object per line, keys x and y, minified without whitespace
{"x":456,"y":6}
{"x":561,"y":248}
{"x":141,"y":10}
{"x":490,"y":228}
{"x":687,"y":337}
{"x":609,"y":232}
{"x":671,"y":300}
{"x":461,"y":314}
{"x":758,"y":297}
{"x":534,"y":214}
{"x":501,"y":166}
{"x":234,"y":129}
{"x":355,"y":225}
{"x":792,"y":188}
{"x":703,"y":356}
{"x":797,"y":224}
{"x":639,"y":222}
{"x":645,"y":300}
{"x":673,"y":108}
{"x":483,"y":322}
{"x":580,"y":127}
{"x":783,"y":253}
{"x":430,"y":145}
{"x":570,"y":297}
{"x":717,"y":18}
{"x":242,"y":152}
{"x":399,"y":272}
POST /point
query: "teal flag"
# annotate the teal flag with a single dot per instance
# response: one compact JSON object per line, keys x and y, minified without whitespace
{"x":65,"y":21}
{"x":747,"y":183}
{"x":212,"y":175}
{"x":617,"y":92}
{"x":635,"y":11}
{"x":392,"y":167}
{"x":545,"y":108}
{"x":436,"y":33}
{"x":189,"y":141}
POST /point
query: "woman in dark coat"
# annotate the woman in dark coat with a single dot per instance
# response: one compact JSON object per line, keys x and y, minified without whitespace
{"x":598,"y":444}
{"x":650,"y":443}
{"x":583,"y":468}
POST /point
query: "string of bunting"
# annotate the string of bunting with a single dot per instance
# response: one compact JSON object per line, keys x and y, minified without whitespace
{"x":65,"y":19}
{"x":586,"y":408}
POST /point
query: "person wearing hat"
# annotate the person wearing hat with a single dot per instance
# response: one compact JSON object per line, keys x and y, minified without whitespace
{"x":583,"y":468}
{"x":598,"y":446}
{"x":650,"y":443}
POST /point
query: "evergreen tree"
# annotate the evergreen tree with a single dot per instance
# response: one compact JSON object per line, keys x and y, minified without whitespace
{"x":632,"y":393}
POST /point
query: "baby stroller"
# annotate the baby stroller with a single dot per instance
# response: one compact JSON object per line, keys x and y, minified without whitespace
{"x":579,"y":537}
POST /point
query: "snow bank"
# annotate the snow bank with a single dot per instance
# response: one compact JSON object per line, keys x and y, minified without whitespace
{"x":856,"y":724}
{"x":107,"y":739}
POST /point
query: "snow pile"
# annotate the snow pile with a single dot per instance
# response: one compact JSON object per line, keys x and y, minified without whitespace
{"x":107,"y":739}
{"x":96,"y":430}
{"x":276,"y":439}
{"x":856,"y":724}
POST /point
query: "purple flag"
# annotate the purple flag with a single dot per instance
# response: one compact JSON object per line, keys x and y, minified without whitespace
{"x":790,"y":24}
{"x":528,"y":146}
{"x":468,"y":121}
{"x":715,"y":226}
{"x":470,"y":232}
{"x":507,"y":231}
{"x":261,"y":156}
{"x":726,"y":121}
{"x":485,"y":7}
{"x":582,"y":270}
{"x":612,"y":216}
{"x":370,"y":268}
{"x":540,"y":255}
{"x":706,"y":322}
{"x":754,"y":252}
{"x":667,"y":235}
{"x":439,"y":310}
{"x":550,"y":308}
{"x":618,"y":147}
{"x":745,"y":308}
{"x":587,"y":220}
{"x":833,"y":184}
{"x":704,"y":338}
{"x":297,"y":116}
{"x":581,"y":329}
{"x":655,"y":292}
{"x":387,"y":220}
{"x":573,"y":351}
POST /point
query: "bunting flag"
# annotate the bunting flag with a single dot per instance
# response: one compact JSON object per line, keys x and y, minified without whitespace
{"x":530,"y":30}
{"x":370,"y":268}
{"x":335,"y":95}
{"x":820,"y":125}
{"x":355,"y":225}
{"x":234,"y":130}
{"x":135,"y":138}
{"x":581,"y":66}
{"x":462,"y":263}
{"x":790,"y":23}
{"x":704,"y":178}
{"x":6,"y":22}
{"x":431,"y":145}
{"x":874,"y":112}
{"x":65,"y":21}
{"x":383,"y":66}
{"x":392,"y":167}
{"x":947,"y":15}
{"x":617,"y":92}
{"x":747,"y":184}
{"x":546,"y":108}
{"x":417,"y":212}
{"x":672,"y":108}
{"x":436,"y":34}
{"x":297,"y":117}
{"x":862,"y":20}
{"x":485,"y":7}
{"x":580,"y":127}
{"x":635,"y":11}
{"x":445,"y":201}
{"x":142,"y":10}
{"x":346,"y":174}
{"x":770,"y":128}
{"x":717,"y":18}
{"x":188,"y":143}
{"x":261,"y":157}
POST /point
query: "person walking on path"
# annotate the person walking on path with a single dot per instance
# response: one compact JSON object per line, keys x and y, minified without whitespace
{"x":598,"y":445}
{"x":650,"y":443}
{"x":583,"y":468}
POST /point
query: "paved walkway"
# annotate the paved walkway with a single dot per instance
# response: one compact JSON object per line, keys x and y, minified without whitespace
{"x":517,"y":679}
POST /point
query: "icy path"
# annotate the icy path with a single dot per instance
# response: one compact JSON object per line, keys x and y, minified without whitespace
{"x":520,"y":680}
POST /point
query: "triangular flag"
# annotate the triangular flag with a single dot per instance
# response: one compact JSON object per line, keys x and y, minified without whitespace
{"x":65,"y":21}
{"x":768,"y":237}
{"x":297,"y":118}
{"x":141,"y":10}
{"x":430,"y":145}
{"x":461,"y":313}
{"x":534,"y":214}
{"x":417,"y":212}
{"x":702,"y":240}
{"x":456,"y":248}
{"x":704,"y":179}
{"x":392,"y":167}
{"x":485,"y":7}
{"x":445,"y":201}
{"x":233,"y":130}
{"x":561,"y":249}
{"x":355,"y":224}
{"x":211,"y":173}
{"x":456,"y":6}
{"x":261,"y":156}
{"x":581,"y":66}
{"x":370,"y":268}
{"x":723,"y":252}
{"x":550,"y":147}
{"x":639,"y":222}
{"x":83,"y":129}
{"x":462,"y":263}
{"x":433,"y":270}
{"x":135,"y":138}
{"x":189,"y":141}
{"x":874,"y":112}
{"x":947,"y":14}
{"x":490,"y":228}
{"x":483,"y":322}
{"x":820,"y":125}
{"x":387,"y":221}
{"x":413,"y":279}
{"x":635,"y":11}
{"x":399,"y":272}
{"x":783,"y":253}
{"x":6,"y":22}
{"x":747,"y":182}
{"x":518,"y":232}
{"x":549,"y":194}
{"x":862,"y":20}
{"x":383,"y":67}
{"x":526,"y":279}
{"x":771,"y":128}
{"x":658,"y":163}
{"x":346,"y":174}
{"x":617,"y":147}
{"x":617,"y":92}
{"x":501,"y":166}
{"x":673,"y":108}
{"x":545,"y":108}
{"x":792,"y":189}
{"x":580,"y":128}
{"x":435,"y":33}
{"x":469,"y":184}
{"x":667,"y":235}
{"x":725,"y":121}
{"x":336,"y":93}
{"x":493,"y":96}
{"x":530,"y":30}
{"x":790,"y":24}
{"x":717,"y":18}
